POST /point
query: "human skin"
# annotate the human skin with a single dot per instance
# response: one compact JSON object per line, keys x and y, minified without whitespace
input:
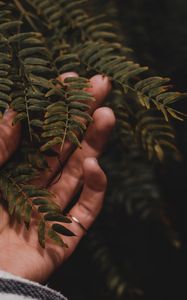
{"x":20,"y":251}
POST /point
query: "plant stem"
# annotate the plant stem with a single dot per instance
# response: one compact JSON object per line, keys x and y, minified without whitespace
{"x":25,"y":14}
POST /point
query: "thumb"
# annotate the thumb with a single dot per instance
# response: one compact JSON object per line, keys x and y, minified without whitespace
{"x":9,"y":136}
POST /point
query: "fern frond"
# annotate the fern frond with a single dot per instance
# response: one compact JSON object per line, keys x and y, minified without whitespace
{"x":101,"y":51}
{"x":156,"y":136}
{"x":146,"y":129}
{"x":24,"y":199}
{"x":154,"y":90}
{"x":49,"y":11}
{"x":51,"y":16}
{"x":150,"y":92}
{"x":5,"y":67}
{"x":73,"y":107}
{"x":114,"y":279}
{"x":6,"y":56}
{"x":28,"y":97}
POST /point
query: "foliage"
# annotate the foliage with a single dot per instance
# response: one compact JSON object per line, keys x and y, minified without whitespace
{"x":39,"y":40}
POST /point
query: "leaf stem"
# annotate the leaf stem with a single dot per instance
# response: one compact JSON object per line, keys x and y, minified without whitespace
{"x":25,"y":14}
{"x":66,"y":129}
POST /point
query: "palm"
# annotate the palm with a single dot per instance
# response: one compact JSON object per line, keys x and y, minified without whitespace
{"x":21,"y":253}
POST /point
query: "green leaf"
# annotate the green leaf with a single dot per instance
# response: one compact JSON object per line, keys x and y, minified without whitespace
{"x":76,"y":80}
{"x":41,"y":233}
{"x":57,"y":218}
{"x":50,"y":144}
{"x":5,"y":88}
{"x":55,"y":125}
{"x":62,"y":230}
{"x":22,"y":36}
{"x":104,"y":35}
{"x":55,"y":92}
{"x":63,"y":58}
{"x":3,"y":73}
{"x":32,"y":42}
{"x":39,"y":81}
{"x":81,"y":114}
{"x":27,"y":177}
{"x":4,"y":97}
{"x":3,"y":104}
{"x":20,"y":202}
{"x":10,"y":25}
{"x":27,"y":215}
{"x":151,"y":82}
{"x":55,"y":118}
{"x":77,"y":124}
{"x":100,"y":26}
{"x":36,"y":108}
{"x":53,"y":133}
{"x":5,"y":67}
{"x":56,"y":238}
{"x":6,"y":81}
{"x":33,"y":191}
{"x":48,"y":208}
{"x":19,"y":117}
{"x":40,"y":201}
{"x":38,"y":69}
{"x":36,"y":123}
{"x":38,"y":102}
{"x":32,"y":50}
{"x":69,"y":67}
{"x":175,"y":114}
{"x":4,"y":57}
{"x":73,"y":138}
{"x":78,"y":105}
{"x":11,"y":201}
{"x":36,"y":61}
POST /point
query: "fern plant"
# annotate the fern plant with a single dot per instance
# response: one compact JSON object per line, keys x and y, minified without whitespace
{"x":39,"y":40}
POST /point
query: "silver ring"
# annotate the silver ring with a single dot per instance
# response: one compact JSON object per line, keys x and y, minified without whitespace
{"x":77,"y":221}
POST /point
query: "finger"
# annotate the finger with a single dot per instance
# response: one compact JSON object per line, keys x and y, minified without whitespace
{"x":92,"y":146}
{"x":90,"y":203}
{"x":9,"y":136}
{"x":100,"y":87}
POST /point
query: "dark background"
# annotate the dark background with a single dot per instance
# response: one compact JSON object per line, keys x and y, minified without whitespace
{"x":157,"y":31}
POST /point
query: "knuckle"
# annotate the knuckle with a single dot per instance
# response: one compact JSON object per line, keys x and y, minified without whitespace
{"x":86,"y":211}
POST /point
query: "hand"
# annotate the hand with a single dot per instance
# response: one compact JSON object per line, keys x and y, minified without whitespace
{"x":20,"y":252}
